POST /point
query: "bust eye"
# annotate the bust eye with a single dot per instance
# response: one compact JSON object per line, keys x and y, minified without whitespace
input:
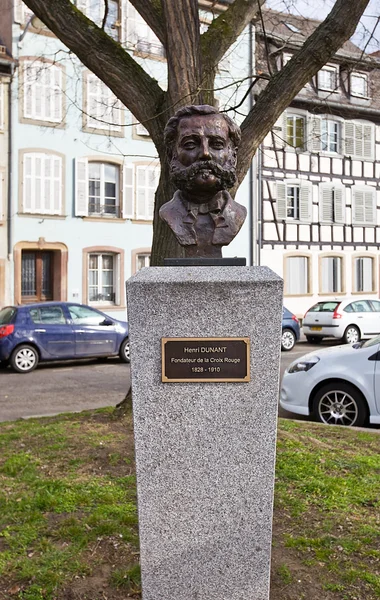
{"x":217,"y":145}
{"x":189,"y":146}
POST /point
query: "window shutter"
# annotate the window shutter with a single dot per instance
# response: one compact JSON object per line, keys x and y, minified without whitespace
{"x":141,"y":130}
{"x":57,"y":94}
{"x":281,"y":200}
{"x":339,"y":204}
{"x":153,"y":178}
{"x":141,"y":192}
{"x":2,"y":90}
{"x":1,"y":195}
{"x":314,"y":133}
{"x":326,"y":203}
{"x":358,"y":207}
{"x":130,"y":25}
{"x":369,"y":207}
{"x":57,"y":185}
{"x":82,"y":5}
{"x":305,"y":201}
{"x":81,"y":187}
{"x":279,"y":131}
{"x":28,"y":182}
{"x":29,"y":89}
{"x":368,"y":141}
{"x":349,"y":138}
{"x":128,"y":191}
{"x":19,"y":11}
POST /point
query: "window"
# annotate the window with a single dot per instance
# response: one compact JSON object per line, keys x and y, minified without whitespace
{"x":103,"y":189}
{"x":327,"y":79}
{"x":297,"y":275}
{"x":42,"y":92}
{"x":42,"y":183}
{"x":375,"y":305}
{"x":142,"y":260}
{"x":142,"y":131}
{"x":139,"y":36}
{"x":295,"y":131}
{"x":363,"y":274}
{"x":51,"y":315}
{"x":101,"y":278}
{"x":331,"y":278}
{"x":36,"y":276}
{"x":359,"y":85}
{"x":294,"y":200}
{"x":332,"y":206}
{"x":330,"y":138}
{"x":2,"y":92}
{"x":82,"y":315}
{"x":363,"y":205}
{"x":292,"y":27}
{"x":359,"y":139}
{"x":103,"y":110}
{"x":146,"y":184}
{"x":22,"y":13}
{"x":94,"y":10}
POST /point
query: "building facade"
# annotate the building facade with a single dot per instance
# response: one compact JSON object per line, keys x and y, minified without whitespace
{"x":319,"y":169}
{"x":83,"y":171}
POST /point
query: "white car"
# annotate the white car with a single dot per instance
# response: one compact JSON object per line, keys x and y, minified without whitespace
{"x":338,"y":385}
{"x":350,"y":320}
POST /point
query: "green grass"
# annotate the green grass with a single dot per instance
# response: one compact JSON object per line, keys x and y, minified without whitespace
{"x":68,"y":518}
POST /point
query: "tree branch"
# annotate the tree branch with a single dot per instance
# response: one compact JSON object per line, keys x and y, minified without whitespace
{"x":225,"y":29}
{"x":152,"y":14}
{"x":316,"y":51}
{"x":104,"y":57}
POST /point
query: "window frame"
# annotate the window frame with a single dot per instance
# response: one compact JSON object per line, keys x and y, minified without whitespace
{"x":353,"y":138}
{"x":33,"y":154}
{"x":103,"y":97}
{"x":119,"y":277}
{"x":355,"y":258}
{"x":363,"y":189}
{"x":363,"y":77}
{"x":305,"y":200}
{"x":341,"y":258}
{"x":294,"y":116}
{"x":328,"y":69}
{"x":102,"y":185}
{"x":308,"y":259}
{"x":28,"y":92}
{"x":336,"y":190}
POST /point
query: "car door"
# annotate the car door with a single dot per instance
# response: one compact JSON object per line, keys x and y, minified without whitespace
{"x":365,"y":317}
{"x":376,"y":308}
{"x":51,"y":331}
{"x":95,"y":333}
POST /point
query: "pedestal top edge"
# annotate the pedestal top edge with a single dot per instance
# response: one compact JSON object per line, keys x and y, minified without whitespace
{"x":205,"y":274}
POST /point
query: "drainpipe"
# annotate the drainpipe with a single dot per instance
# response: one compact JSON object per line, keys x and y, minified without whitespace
{"x":10,"y":149}
{"x":251,"y":215}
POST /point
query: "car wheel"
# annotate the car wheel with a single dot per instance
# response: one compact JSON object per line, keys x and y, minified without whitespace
{"x":313,"y":339}
{"x":124,"y":351}
{"x":288,"y":340}
{"x":340,"y":404}
{"x":351,"y":335}
{"x":24,"y":359}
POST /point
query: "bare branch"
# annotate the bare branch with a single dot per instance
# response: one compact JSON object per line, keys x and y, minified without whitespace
{"x":317,"y":50}
{"x":106,"y":10}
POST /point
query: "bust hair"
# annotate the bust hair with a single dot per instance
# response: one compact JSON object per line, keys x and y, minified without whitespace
{"x":171,"y":128}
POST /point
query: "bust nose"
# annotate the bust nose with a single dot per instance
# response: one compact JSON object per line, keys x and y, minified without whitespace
{"x":204,"y":150}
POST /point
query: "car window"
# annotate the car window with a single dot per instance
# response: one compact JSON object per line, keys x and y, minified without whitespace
{"x":371,"y":342}
{"x":82,"y":315}
{"x":48,"y":315}
{"x":358,"y":307}
{"x":324,"y":307}
{"x":375,"y":305}
{"x":6,"y":315}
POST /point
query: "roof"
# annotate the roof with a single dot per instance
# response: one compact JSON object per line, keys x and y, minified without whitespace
{"x":291,"y":31}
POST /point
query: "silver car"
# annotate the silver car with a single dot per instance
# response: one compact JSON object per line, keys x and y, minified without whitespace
{"x":350,"y":320}
{"x":338,"y":385}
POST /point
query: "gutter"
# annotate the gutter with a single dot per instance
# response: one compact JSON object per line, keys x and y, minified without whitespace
{"x":10,"y":175}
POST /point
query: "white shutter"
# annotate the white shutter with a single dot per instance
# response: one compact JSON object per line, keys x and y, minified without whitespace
{"x":82,"y":5}
{"x":28,"y":183}
{"x":279,"y":131}
{"x":57,"y":185}
{"x":56,"y":110}
{"x":141,"y":130}
{"x":128,"y":191}
{"x":153,"y":177}
{"x":349,"y":138}
{"x":326,"y":203}
{"x":281,"y":200}
{"x":314,"y":133}
{"x":2,"y":92}
{"x":369,"y":207}
{"x":339,"y":204}
{"x":141,"y":192}
{"x":359,"y":140}
{"x":368,"y":141}
{"x":2,"y":195}
{"x":81,"y":187}
{"x":357,"y":207}
{"x":29,"y":89}
{"x":19,"y":11}
{"x":130,"y":25}
{"x":305,"y":201}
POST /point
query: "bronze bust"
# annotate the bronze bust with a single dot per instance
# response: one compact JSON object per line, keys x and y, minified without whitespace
{"x":202,"y":147}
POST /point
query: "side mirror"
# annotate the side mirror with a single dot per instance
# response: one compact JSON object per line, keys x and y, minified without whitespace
{"x":107,"y":322}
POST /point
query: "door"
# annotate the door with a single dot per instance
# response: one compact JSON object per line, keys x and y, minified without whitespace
{"x":95,"y":333}
{"x":53,"y":335}
{"x":36,"y":276}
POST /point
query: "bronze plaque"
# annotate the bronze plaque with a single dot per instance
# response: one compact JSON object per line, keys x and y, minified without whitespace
{"x":205,"y":359}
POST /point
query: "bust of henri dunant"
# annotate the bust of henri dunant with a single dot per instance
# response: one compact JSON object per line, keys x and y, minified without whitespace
{"x":202,"y":147}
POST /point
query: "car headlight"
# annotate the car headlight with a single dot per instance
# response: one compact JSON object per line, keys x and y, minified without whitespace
{"x":303,"y":364}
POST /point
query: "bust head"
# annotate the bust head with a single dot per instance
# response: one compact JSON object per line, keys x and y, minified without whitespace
{"x":202,"y":148}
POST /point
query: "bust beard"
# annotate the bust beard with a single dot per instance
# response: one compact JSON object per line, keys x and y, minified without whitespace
{"x":184,"y":177}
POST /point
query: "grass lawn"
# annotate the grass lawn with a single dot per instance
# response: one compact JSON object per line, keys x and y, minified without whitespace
{"x":68,"y":520}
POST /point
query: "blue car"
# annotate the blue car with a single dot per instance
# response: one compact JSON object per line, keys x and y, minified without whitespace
{"x":58,"y":331}
{"x":290,"y":330}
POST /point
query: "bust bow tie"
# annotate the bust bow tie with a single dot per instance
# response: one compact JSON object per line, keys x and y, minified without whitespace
{"x":214,"y":208}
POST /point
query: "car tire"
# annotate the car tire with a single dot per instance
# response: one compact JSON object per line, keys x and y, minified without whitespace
{"x":3,"y":364}
{"x":288,"y":340}
{"x":340,"y":404}
{"x":313,"y":339}
{"x":24,"y":359}
{"x":351,"y":335}
{"x":124,"y":351}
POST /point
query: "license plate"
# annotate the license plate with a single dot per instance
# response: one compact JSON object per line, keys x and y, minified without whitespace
{"x":316,"y":328}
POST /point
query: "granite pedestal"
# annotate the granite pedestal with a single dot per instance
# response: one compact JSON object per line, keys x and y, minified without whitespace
{"x":205,"y":452}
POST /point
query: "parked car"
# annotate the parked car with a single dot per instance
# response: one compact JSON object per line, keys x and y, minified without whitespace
{"x":338,"y":385}
{"x":290,"y":330}
{"x":58,"y":331}
{"x":350,"y":320}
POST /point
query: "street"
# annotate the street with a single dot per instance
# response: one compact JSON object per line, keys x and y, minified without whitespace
{"x":75,"y":386}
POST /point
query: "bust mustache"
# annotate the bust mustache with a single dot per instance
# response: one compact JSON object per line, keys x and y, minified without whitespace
{"x":203,"y":176}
